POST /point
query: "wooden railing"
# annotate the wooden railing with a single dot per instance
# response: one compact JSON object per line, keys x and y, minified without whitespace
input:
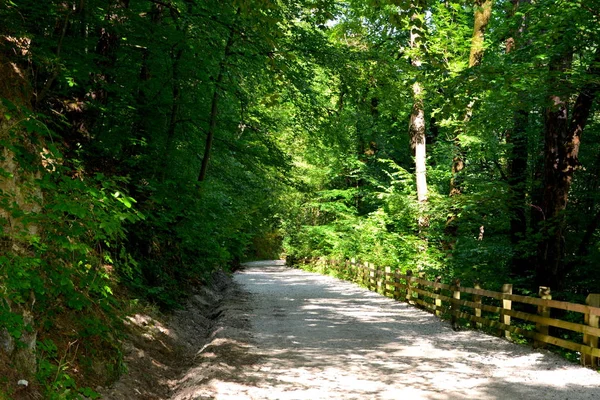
{"x":449,"y":300}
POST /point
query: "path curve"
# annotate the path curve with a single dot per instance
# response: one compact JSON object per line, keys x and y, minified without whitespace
{"x":322,"y":338}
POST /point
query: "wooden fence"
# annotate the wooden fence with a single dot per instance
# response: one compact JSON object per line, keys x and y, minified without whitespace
{"x":486,"y":308}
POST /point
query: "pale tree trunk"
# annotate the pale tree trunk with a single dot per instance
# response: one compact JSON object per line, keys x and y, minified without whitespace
{"x":482,"y":15}
{"x":416,"y":125}
{"x":417,"y":135}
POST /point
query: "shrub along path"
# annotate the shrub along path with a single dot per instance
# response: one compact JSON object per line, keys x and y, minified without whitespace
{"x":315,"y":337}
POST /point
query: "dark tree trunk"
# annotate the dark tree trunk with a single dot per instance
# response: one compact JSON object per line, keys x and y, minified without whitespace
{"x":212,"y":126}
{"x":517,"y":165}
{"x":517,"y":180}
{"x":561,"y":150}
{"x":557,"y":179}
{"x":107,"y":48}
{"x":175,"y":106}
{"x":214,"y":107}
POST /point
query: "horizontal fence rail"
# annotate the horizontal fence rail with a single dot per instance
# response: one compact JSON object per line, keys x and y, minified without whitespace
{"x":484,"y":308}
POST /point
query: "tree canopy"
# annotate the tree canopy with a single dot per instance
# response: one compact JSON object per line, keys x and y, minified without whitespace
{"x":147,"y":143}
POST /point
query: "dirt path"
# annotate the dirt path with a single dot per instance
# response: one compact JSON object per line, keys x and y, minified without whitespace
{"x":315,"y":337}
{"x":280,"y":333}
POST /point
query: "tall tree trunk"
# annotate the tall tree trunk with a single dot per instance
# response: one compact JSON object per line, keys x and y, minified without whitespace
{"x":416,"y":126}
{"x":517,"y":181}
{"x":214,"y":106}
{"x":107,"y":48}
{"x":145,"y":125}
{"x":517,"y":140}
{"x":561,"y":150}
{"x":175,"y":106}
{"x":417,"y":135}
{"x":482,"y":15}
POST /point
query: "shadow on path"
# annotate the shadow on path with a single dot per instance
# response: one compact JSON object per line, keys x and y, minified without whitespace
{"x":321,"y":338}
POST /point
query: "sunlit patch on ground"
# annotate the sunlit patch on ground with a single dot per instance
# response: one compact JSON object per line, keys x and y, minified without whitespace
{"x":320,"y":338}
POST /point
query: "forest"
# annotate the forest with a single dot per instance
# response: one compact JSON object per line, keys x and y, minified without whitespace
{"x":147,"y":143}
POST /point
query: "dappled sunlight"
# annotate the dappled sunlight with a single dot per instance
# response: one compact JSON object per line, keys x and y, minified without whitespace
{"x":322,"y":338}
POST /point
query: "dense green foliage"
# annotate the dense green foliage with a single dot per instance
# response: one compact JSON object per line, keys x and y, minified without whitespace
{"x":146,"y":143}
{"x":362,"y":202}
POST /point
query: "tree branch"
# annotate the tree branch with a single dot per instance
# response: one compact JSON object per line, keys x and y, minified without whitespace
{"x":174,"y":11}
{"x":585,"y":100}
{"x":502,"y":174}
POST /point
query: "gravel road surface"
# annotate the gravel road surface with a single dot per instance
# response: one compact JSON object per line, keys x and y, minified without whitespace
{"x":316,"y":337}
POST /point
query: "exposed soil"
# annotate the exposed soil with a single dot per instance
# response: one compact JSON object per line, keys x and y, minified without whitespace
{"x":205,"y":340}
{"x":280,"y":333}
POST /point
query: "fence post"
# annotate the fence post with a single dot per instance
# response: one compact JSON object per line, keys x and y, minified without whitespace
{"x":507,"y":288}
{"x":420,"y":275}
{"x":454,"y":306}
{"x":388,"y":270}
{"x":437,"y":307}
{"x":409,"y":278}
{"x":543,"y":311}
{"x":396,"y":281}
{"x":380,"y":278}
{"x":360,"y":270}
{"x":364,"y":272}
{"x":477,"y":299}
{"x":593,"y":300}
{"x":386,"y":280}
{"x":369,"y":273}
